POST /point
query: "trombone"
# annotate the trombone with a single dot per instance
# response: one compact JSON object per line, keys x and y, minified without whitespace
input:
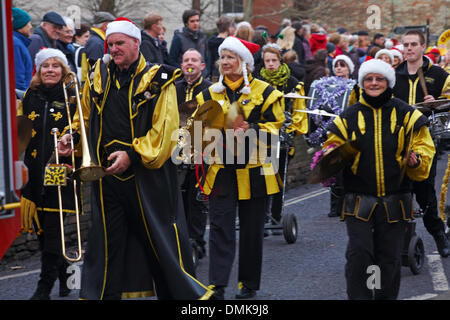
{"x":56,"y":175}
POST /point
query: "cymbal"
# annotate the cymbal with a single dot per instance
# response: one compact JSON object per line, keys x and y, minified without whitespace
{"x":318,"y":112}
{"x":334,"y":162}
{"x":433,"y":104}
{"x":210,"y":114}
{"x":294,"y":95}
{"x":24,"y":129}
{"x":186,"y":109}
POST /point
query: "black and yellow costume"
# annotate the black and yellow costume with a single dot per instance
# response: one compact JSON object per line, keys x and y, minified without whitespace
{"x":195,"y":209}
{"x":287,"y":84}
{"x":408,"y":89}
{"x":46,"y":108}
{"x":377,"y":200}
{"x":245,"y":185}
{"x":138,"y":243}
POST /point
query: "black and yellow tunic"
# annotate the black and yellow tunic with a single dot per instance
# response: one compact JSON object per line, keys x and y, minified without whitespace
{"x":46,"y":108}
{"x":263,"y":110}
{"x":143,"y":102}
{"x":408,"y":89}
{"x":383,"y":134}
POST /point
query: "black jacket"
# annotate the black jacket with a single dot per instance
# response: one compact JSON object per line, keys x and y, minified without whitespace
{"x":213,"y":55}
{"x":408,"y":88}
{"x":183,"y":40}
{"x":151,"y":49}
{"x":299,"y":49}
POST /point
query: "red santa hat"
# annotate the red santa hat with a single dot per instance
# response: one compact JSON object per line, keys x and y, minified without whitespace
{"x":124,"y":26}
{"x":245,"y":50}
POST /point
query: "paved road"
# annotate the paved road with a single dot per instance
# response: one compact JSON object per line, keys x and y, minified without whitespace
{"x":311,"y":269}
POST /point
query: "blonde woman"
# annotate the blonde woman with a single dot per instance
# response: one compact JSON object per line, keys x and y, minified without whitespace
{"x":44,"y":105}
{"x":230,"y":184}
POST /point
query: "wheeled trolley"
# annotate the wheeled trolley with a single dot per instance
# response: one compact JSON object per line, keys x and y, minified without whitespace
{"x":288,"y":223}
{"x":413,"y":255}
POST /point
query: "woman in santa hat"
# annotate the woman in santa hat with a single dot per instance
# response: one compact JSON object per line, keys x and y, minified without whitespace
{"x":394,"y":147}
{"x":248,"y":104}
{"x":44,"y":105}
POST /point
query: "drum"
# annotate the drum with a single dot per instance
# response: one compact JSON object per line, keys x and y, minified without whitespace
{"x":440,"y":127}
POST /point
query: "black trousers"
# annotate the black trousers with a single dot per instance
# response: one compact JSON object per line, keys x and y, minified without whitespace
{"x":123,"y":216}
{"x":223,"y":203}
{"x":196,"y":210}
{"x":426,"y":198}
{"x":53,"y":264}
{"x":374,"y":243}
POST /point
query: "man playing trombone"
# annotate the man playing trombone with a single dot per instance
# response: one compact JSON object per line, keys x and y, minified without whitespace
{"x":138,"y":244}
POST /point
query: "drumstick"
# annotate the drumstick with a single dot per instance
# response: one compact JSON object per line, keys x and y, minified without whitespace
{"x":422,"y":81}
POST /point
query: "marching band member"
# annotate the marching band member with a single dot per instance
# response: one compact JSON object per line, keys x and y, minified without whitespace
{"x":278,"y":75}
{"x":138,"y":243}
{"x":409,"y":89}
{"x":377,"y":200}
{"x":247,"y":186}
{"x":44,"y":105}
{"x":196,"y":211}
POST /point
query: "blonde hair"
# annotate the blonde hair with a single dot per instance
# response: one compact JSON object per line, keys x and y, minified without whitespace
{"x":288,"y":38}
{"x":240,"y":69}
{"x":244,"y":31}
{"x":37,"y":80}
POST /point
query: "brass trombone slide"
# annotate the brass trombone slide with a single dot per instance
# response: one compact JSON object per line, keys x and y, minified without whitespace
{"x":59,"y":184}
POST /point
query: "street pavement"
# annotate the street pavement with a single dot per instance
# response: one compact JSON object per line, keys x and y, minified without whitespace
{"x":312,"y":268}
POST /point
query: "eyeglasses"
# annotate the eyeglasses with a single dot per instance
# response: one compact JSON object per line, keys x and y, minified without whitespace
{"x":341,"y":64}
{"x":377,"y":79}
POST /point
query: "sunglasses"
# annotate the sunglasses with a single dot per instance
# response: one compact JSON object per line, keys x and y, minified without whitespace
{"x":341,"y":64}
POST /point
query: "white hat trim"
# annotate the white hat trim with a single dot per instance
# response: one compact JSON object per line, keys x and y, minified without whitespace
{"x":347,"y":60}
{"x":124,"y":27}
{"x":235,"y":45}
{"x":386,"y":52}
{"x":376,"y":66}
{"x":48,"y":53}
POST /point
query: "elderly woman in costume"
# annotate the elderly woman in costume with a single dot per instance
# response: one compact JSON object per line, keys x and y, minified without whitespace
{"x":231,"y":184}
{"x":392,"y":147}
{"x":278,"y":75}
{"x":44,"y":105}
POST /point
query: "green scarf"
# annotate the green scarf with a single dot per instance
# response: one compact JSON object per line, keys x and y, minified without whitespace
{"x":277,"y":77}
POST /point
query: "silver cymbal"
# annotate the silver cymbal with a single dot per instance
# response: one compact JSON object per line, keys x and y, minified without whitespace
{"x":294,"y":95}
{"x":318,"y":112}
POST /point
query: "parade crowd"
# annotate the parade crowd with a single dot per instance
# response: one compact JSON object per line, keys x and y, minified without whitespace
{"x":149,"y":215}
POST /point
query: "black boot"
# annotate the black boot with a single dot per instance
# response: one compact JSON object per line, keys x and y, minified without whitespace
{"x":219,"y":292}
{"x":245,"y":293}
{"x":442,"y":243}
{"x":49,"y":273}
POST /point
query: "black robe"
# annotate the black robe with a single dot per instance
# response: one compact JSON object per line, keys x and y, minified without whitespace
{"x":153,"y":105}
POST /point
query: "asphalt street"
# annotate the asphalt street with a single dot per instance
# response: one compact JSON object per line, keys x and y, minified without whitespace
{"x":312,"y":268}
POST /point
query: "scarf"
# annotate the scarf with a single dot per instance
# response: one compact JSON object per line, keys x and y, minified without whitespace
{"x":233,"y":85}
{"x":380,"y":101}
{"x":277,"y":77}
